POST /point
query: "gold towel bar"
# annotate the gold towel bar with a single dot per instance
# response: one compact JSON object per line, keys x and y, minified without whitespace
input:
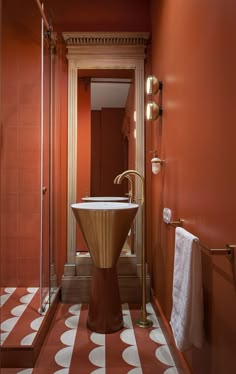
{"x":218,"y":251}
{"x":227,"y":250}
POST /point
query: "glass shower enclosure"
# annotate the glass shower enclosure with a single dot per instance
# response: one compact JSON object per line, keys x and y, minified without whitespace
{"x":27,"y":254}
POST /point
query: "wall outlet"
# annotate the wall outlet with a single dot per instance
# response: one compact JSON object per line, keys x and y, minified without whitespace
{"x":166,"y":215}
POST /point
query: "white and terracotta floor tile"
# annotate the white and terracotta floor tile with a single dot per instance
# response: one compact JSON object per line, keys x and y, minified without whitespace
{"x":19,"y":316}
{"x":70,"y":348}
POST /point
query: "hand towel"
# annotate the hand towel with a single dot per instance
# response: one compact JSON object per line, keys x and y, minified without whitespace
{"x":187,"y":310}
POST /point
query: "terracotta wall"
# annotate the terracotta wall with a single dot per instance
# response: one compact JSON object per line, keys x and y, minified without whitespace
{"x":193,"y":54}
{"x":109,"y":153}
{"x":83,"y":141}
{"x":129,"y":126}
{"x":122,"y":15}
{"x":84,"y":150}
{"x":20,"y":146}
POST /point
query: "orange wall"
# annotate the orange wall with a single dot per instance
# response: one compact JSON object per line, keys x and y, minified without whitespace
{"x":130,"y":126}
{"x":83,"y":141}
{"x":108,"y":152}
{"x":193,"y":54}
{"x":105,"y":15}
{"x":84,"y":150}
{"x":20,"y":147}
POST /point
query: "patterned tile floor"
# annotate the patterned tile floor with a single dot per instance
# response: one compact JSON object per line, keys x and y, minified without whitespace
{"x":20,"y":317}
{"x":70,"y":348}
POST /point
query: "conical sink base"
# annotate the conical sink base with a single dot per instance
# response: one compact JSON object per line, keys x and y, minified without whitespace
{"x":105,"y":226}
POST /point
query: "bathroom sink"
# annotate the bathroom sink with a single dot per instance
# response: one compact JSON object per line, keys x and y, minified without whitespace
{"x":105,"y":198}
{"x":105,"y":226}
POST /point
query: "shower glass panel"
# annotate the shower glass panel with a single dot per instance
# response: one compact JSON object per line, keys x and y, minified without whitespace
{"x":48,"y":279}
{"x":25,"y":158}
{"x":44,"y":172}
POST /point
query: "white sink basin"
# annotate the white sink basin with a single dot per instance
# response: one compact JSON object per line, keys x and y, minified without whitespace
{"x":104,"y":205}
{"x":105,"y":198}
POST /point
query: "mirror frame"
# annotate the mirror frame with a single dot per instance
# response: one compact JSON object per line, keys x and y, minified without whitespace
{"x":109,"y":50}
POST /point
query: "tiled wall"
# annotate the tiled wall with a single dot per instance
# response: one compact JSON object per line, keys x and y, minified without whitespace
{"x":20,"y":149}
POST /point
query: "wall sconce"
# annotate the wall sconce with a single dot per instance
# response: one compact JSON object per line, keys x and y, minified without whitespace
{"x":153,"y":111}
{"x":153,"y":85}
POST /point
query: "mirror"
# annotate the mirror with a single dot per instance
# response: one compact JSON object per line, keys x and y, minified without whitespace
{"x":109,"y":97}
{"x":103,"y":51}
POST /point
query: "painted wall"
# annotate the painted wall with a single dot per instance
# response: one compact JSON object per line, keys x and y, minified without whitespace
{"x":84,"y":151}
{"x":105,"y":15}
{"x":193,"y":54}
{"x":129,"y":126}
{"x":20,"y":146}
{"x":108,"y":154}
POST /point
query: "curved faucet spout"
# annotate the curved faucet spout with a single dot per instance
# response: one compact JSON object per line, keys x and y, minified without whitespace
{"x":117,"y":180}
{"x":127,"y":174}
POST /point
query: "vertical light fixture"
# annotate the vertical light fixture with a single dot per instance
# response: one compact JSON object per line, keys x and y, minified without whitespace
{"x":153,"y":110}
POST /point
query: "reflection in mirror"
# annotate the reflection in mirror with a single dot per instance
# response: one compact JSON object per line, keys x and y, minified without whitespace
{"x":108,"y":96}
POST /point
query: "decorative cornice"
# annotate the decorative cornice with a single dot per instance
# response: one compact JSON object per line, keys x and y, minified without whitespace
{"x":105,"y":38}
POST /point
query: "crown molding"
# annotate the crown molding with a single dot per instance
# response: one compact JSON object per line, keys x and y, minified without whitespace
{"x":105,"y":38}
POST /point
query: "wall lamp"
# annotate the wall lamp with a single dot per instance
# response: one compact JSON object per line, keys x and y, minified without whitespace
{"x":153,"y":111}
{"x":153,"y":85}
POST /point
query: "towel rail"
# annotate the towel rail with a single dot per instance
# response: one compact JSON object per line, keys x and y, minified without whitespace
{"x":218,"y":251}
{"x":228,"y":250}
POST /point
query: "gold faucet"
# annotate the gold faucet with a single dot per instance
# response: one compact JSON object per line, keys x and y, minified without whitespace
{"x":143,"y":321}
{"x":131,"y":191}
{"x":126,"y":174}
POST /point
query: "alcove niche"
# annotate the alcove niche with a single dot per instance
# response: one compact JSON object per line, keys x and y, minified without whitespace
{"x":103,"y":50}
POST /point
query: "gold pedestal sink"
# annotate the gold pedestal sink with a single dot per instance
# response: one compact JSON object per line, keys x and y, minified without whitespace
{"x":105,"y":226}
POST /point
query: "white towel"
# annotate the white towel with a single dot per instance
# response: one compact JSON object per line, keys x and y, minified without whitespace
{"x":187,"y":310}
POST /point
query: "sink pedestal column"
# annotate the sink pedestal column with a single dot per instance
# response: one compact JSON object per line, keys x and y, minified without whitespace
{"x":105,"y":226}
{"x":105,"y":313}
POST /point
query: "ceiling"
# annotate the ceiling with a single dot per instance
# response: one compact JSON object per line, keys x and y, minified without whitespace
{"x":109,"y":88}
{"x":109,"y":94}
